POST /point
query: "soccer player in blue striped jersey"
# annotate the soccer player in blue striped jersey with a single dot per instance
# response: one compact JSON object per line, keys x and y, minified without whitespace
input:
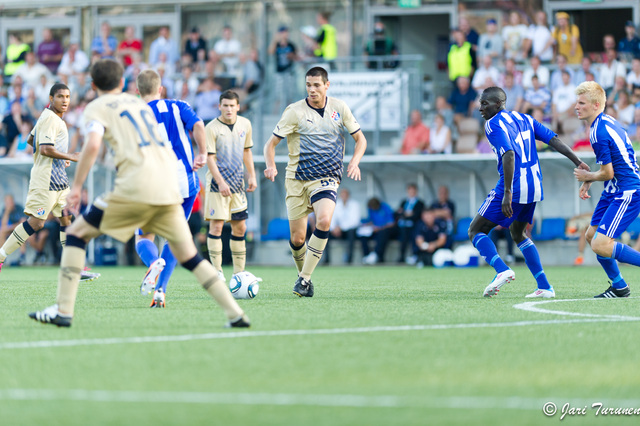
{"x":619,"y":203}
{"x":513,"y":200}
{"x":175,"y":119}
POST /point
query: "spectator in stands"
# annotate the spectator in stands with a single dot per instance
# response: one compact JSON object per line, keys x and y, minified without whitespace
{"x":407,"y":216}
{"x":471,"y":36}
{"x":345,"y":222}
{"x":309,"y":44}
{"x":536,"y":68}
{"x":4,"y":100}
{"x":416,"y":135}
{"x":31,"y":71}
{"x":490,"y":43}
{"x":608,"y":44}
{"x":207,"y":100}
{"x":12,"y":123}
{"x":513,"y":36}
{"x":556,"y":79}
{"x":586,"y":67}
{"x":459,"y":59}
{"x":445,"y":210}
{"x":16,"y":92}
{"x":163,"y":44}
{"x":380,"y":45}
{"x":510,"y":68}
{"x":619,"y":86}
{"x":251,"y":72}
{"x":610,"y":70}
{"x":486,"y":75}
{"x":462,"y":99}
{"x":630,"y":45}
{"x":33,"y":106}
{"x":168,"y":66}
{"x":228,"y":51}
{"x":12,"y":216}
{"x":74,"y":61}
{"x":539,"y":40}
{"x":537,"y":96}
{"x":129,"y":46}
{"x":444,"y":109}
{"x":20,"y":149}
{"x":50,"y":51}
{"x":186,"y":85}
{"x":15,"y":55}
{"x":440,"y":139}
{"x":42,"y":90}
{"x":285,"y":55}
{"x":563,"y":100}
{"x":430,"y":236}
{"x":566,"y":38}
{"x":376,"y":227}
{"x":327,"y":42}
{"x":633,"y":78}
{"x":105,"y":44}
{"x":624,"y":109}
{"x":635,"y":96}
{"x":634,"y":128}
{"x":196,"y":46}
{"x":514,"y":92}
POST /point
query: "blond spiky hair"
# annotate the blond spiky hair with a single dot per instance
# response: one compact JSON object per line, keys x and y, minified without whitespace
{"x":593,"y":92}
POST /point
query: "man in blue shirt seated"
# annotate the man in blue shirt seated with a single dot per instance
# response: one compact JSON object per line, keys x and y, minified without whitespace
{"x":377,"y":226}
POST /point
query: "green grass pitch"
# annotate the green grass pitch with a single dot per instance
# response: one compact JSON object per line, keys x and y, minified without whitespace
{"x":374,"y":346}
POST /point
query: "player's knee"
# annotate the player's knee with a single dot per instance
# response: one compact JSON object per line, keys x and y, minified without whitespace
{"x":517,"y":236}
{"x":298,"y":239}
{"x":602,"y":246}
{"x":239,"y":229}
{"x":323,"y":222}
{"x":36,"y":224}
{"x":216,"y":227}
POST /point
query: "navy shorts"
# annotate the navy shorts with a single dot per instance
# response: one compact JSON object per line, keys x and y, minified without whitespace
{"x":491,"y":209}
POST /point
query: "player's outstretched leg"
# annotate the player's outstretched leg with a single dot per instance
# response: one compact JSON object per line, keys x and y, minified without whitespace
{"x":238,"y":253}
{"x":151,"y":277}
{"x":15,"y":240}
{"x":159,"y":295}
{"x":299,"y":253}
{"x":532,"y":259}
{"x":618,"y":287}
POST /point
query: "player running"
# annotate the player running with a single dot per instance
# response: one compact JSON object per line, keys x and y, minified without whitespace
{"x":175,"y":118}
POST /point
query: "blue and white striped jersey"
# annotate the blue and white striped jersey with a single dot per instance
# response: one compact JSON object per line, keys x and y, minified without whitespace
{"x":512,"y":131}
{"x":611,"y":144}
{"x":175,"y":119}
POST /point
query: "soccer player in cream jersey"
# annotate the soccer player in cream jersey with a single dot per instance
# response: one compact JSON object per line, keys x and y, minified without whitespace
{"x":512,"y":202}
{"x":175,"y":119}
{"x":314,"y":130}
{"x":49,"y":184}
{"x":145,"y":195}
{"x":229,"y":144}
{"x":619,"y":202}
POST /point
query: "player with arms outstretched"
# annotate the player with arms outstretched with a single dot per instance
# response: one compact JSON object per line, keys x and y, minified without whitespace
{"x":229,"y":143}
{"x":512,"y":202}
{"x":175,"y":118}
{"x":619,"y":203}
{"x":49,"y":184}
{"x":313,"y":128}
{"x":145,"y":195}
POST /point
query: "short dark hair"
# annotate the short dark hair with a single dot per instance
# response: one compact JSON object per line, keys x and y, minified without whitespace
{"x":106,"y":74}
{"x":318,"y":72}
{"x":495,"y":93}
{"x":57,"y":87}
{"x":229,"y":94}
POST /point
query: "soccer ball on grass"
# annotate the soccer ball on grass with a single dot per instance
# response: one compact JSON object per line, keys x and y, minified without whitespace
{"x":244,"y":285}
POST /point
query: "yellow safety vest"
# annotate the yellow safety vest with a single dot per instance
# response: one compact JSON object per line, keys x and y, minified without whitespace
{"x":13,"y":53}
{"x":329,"y":47}
{"x":459,"y":60}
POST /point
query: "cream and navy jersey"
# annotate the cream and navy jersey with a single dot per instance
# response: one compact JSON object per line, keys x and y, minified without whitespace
{"x":611,"y":145}
{"x":49,"y":173}
{"x":145,"y":163}
{"x":175,"y":119}
{"x":315,"y":138}
{"x":512,"y":131}
{"x":228,"y":142}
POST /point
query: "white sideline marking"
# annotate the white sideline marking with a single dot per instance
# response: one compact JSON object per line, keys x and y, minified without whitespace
{"x":241,"y":334}
{"x":354,"y":401}
{"x":532,"y":307}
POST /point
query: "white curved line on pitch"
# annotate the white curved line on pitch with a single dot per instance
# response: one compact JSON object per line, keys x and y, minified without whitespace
{"x":532,"y":307}
{"x":275,"y":333}
{"x":281,"y":399}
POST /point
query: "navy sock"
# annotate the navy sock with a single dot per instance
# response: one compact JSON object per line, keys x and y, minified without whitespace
{"x":488,"y":251}
{"x":532,"y":259}
{"x":610,"y":267}
{"x":170,"y":265}
{"x":147,"y":251}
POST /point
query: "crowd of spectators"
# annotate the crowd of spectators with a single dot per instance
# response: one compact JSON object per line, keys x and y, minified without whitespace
{"x":538,"y":66}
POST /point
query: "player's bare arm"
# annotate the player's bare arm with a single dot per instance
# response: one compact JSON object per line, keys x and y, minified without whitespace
{"x":252,"y":183}
{"x":353,"y":169}
{"x":30,"y":139}
{"x":564,"y":149}
{"x":200,"y":159}
{"x":51,"y":151}
{"x":270,"y":172}
{"x":87,"y":159}
{"x":223,"y":187}
{"x":605,"y":173}
{"x":508,"y":167}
